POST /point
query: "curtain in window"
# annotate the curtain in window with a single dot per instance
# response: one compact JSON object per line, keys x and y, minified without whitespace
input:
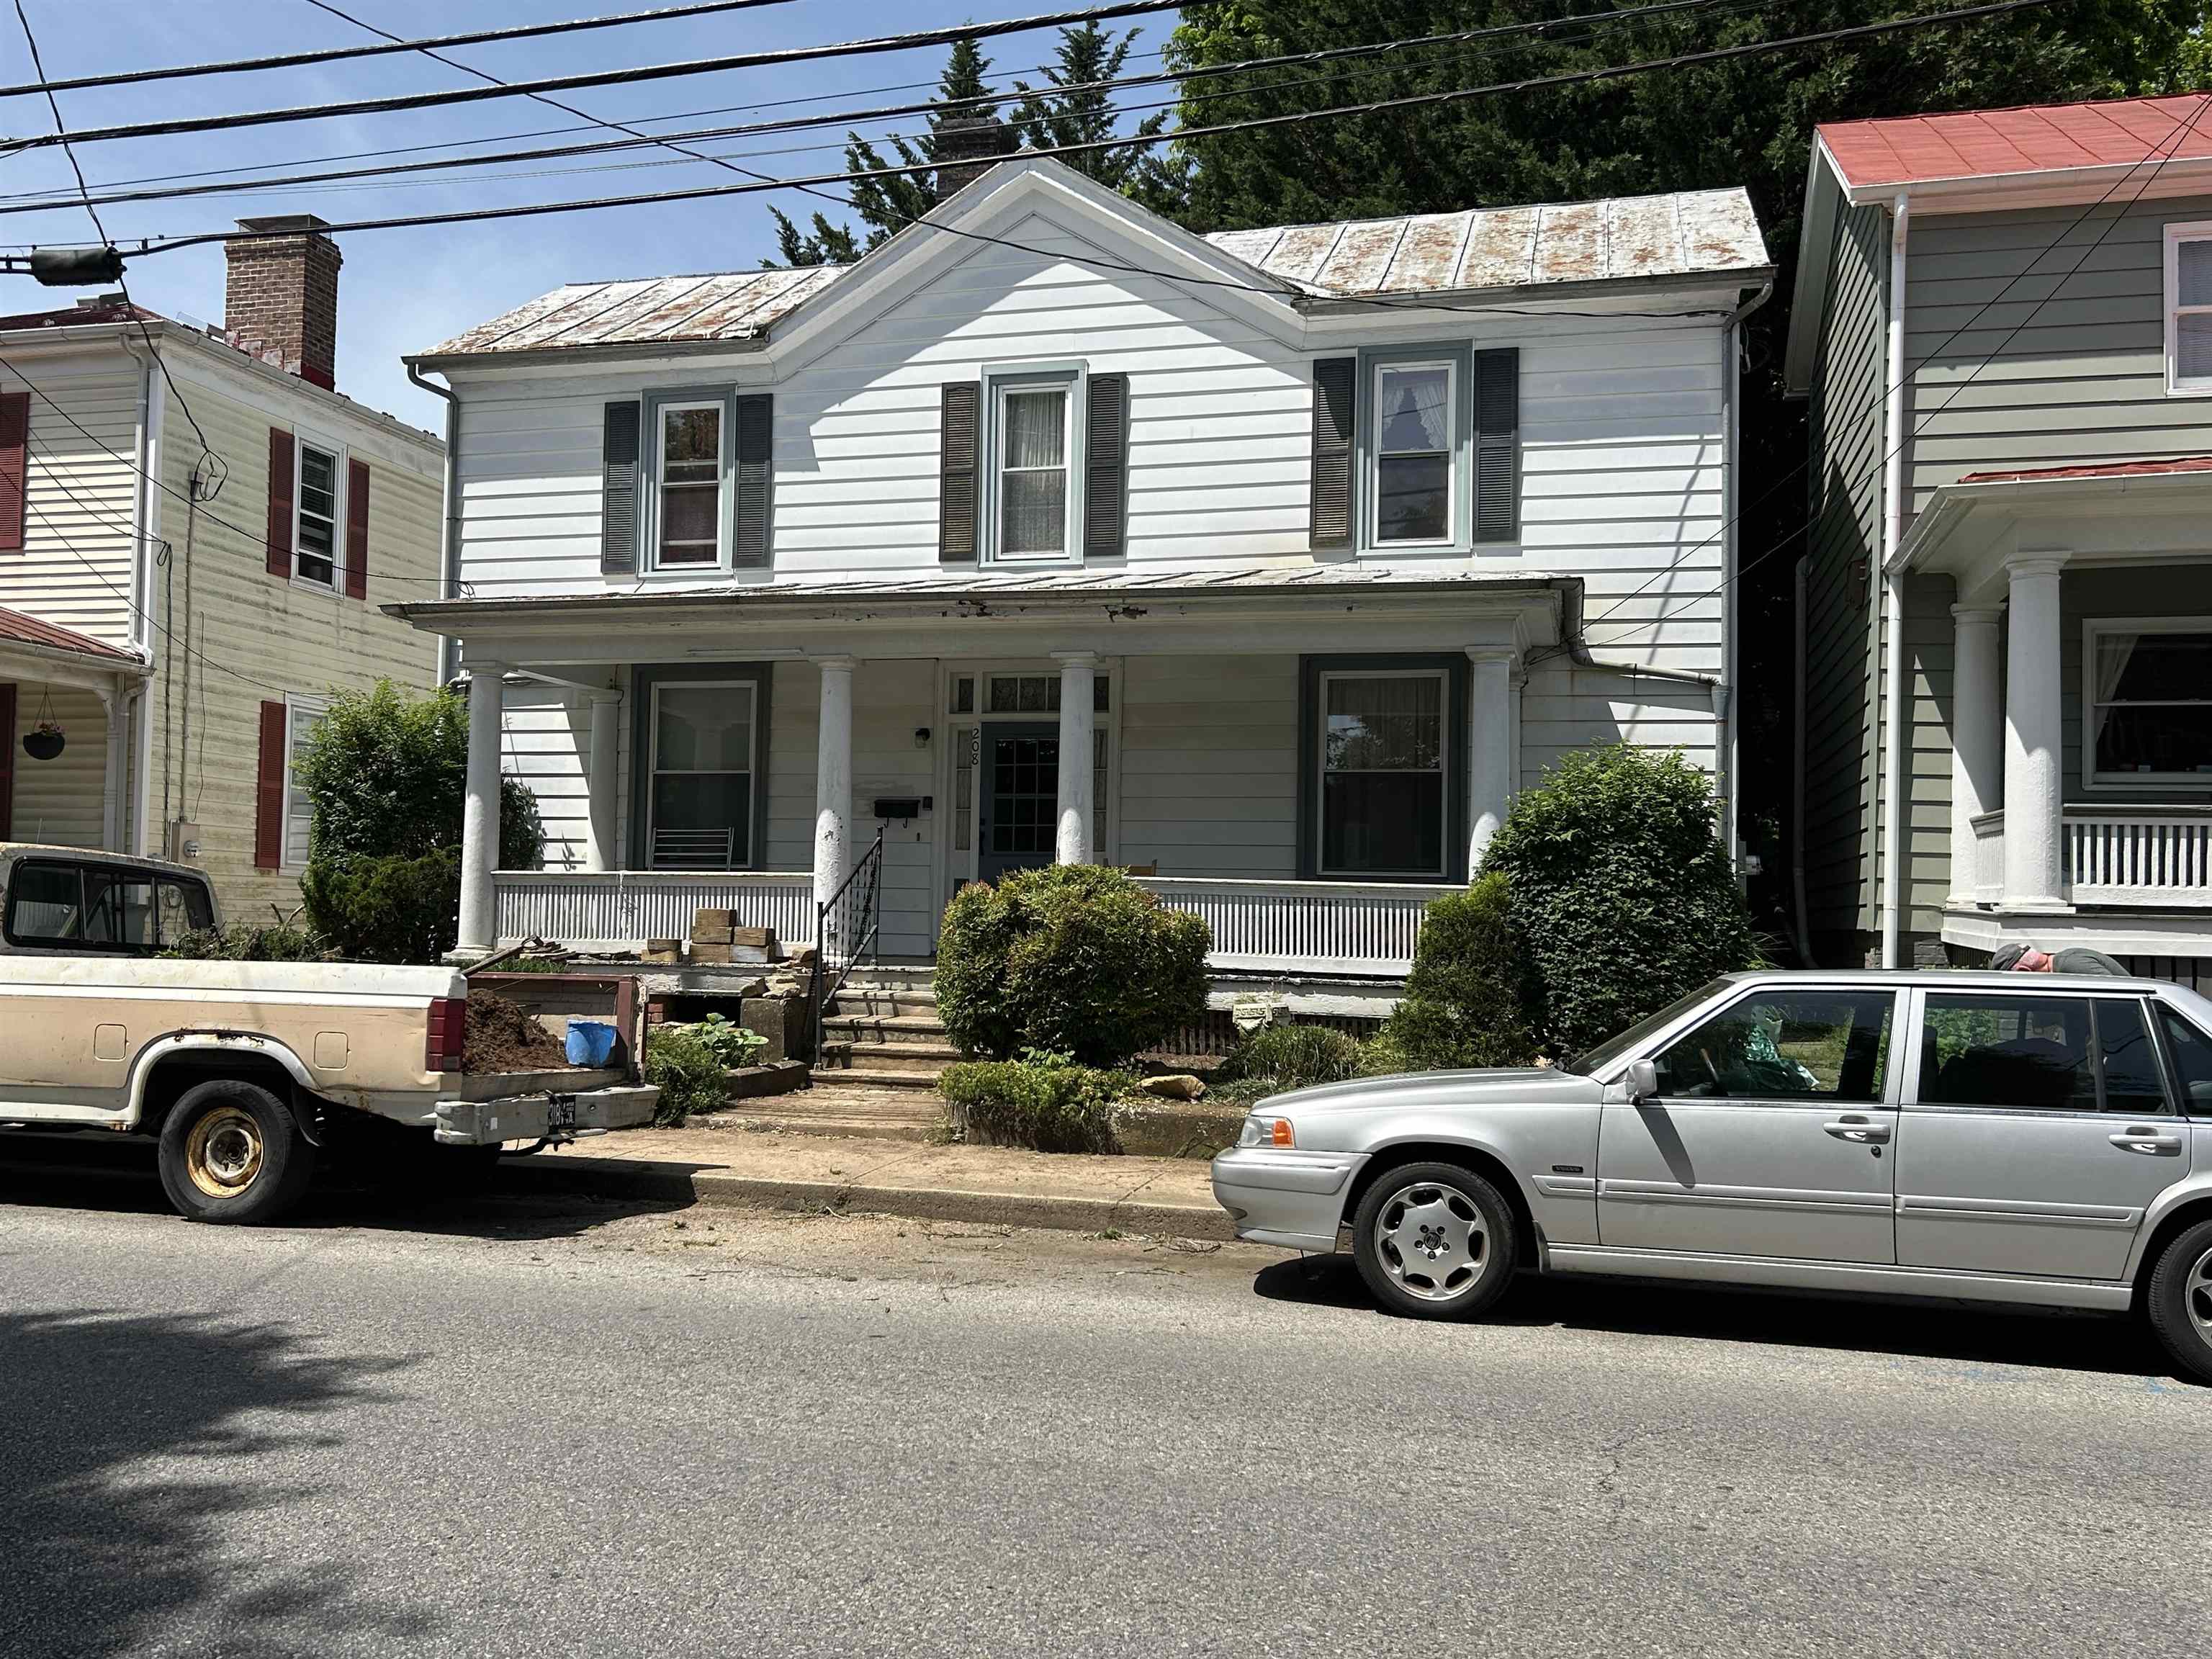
{"x":2114,"y":652}
{"x":1415,"y":415}
{"x":1034,"y":473}
{"x":2192,"y":328}
{"x":1382,"y":775}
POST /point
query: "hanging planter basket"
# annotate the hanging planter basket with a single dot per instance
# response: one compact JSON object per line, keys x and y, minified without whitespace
{"x":44,"y":741}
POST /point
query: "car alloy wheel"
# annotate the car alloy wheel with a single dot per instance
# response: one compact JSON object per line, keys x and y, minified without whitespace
{"x":2196,"y":1296}
{"x":1432,"y":1241}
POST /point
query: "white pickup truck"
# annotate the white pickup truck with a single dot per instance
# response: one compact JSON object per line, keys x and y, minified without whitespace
{"x":246,"y":1073}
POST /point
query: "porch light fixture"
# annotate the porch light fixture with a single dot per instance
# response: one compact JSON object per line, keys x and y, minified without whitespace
{"x":921,"y":737}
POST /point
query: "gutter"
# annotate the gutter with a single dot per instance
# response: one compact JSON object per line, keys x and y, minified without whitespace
{"x":1891,"y":874}
{"x":449,"y":531}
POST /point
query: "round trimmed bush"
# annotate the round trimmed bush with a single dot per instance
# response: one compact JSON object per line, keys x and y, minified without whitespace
{"x":1277,"y":1059}
{"x":1462,"y":1001}
{"x":1071,"y":958}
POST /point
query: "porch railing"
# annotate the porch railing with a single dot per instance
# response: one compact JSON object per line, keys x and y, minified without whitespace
{"x":1989,"y":857}
{"x":1303,"y":927}
{"x":2151,"y":856}
{"x":846,"y":932}
{"x":616,"y":910}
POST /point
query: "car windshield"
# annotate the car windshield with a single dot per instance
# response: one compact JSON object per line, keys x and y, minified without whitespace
{"x":1597,"y":1059}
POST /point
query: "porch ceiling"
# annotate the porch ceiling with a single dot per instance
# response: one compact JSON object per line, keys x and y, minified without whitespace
{"x":2141,"y":512}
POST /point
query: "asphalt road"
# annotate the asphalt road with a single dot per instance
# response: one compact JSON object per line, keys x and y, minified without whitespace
{"x":511,"y":1428}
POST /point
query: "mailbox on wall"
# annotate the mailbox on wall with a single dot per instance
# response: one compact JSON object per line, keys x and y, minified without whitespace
{"x":903,"y":807}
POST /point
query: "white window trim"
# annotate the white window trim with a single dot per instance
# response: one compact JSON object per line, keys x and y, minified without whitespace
{"x":304,"y":439}
{"x":2198,"y":231}
{"x":751,"y":688}
{"x":297,"y":706}
{"x":1453,"y":440}
{"x":657,"y":405}
{"x":1320,"y":759}
{"x":1074,"y":379}
{"x":2129,"y":782}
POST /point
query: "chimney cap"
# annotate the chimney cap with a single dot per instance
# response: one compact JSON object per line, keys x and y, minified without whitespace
{"x":303,"y":223}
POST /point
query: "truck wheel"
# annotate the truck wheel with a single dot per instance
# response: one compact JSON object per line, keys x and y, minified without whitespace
{"x":232,"y":1152}
{"x":2180,"y":1301}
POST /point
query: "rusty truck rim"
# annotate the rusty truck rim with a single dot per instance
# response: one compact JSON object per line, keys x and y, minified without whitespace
{"x":224,"y":1151}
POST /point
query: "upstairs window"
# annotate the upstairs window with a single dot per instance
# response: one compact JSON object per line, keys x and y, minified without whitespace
{"x":1032,"y":497}
{"x":316,"y":512}
{"x":688,"y":479}
{"x":1415,"y":447}
{"x":2149,"y":702}
{"x":2188,"y":308}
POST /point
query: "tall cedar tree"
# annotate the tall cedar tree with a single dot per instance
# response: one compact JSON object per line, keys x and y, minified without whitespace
{"x":1070,"y":109}
{"x":1746,"y":122}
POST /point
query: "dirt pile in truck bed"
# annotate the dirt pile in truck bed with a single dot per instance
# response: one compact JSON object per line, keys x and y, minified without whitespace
{"x":505,"y":1036}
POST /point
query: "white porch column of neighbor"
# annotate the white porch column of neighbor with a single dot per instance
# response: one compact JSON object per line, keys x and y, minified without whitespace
{"x":479,"y":928}
{"x":600,"y":780}
{"x":1073,"y":841}
{"x":1490,"y":748}
{"x":118,"y":708}
{"x":2033,"y":853}
{"x":1977,"y":737}
{"x":833,"y":777}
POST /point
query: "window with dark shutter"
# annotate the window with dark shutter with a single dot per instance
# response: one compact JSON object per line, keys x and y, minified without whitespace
{"x":279,"y":502}
{"x":269,"y":789}
{"x":955,"y":507}
{"x":1497,"y":446}
{"x":14,"y":466}
{"x":357,"y":542}
{"x":1334,"y":397}
{"x":1106,"y":467}
{"x":755,"y":434}
{"x":618,"y":488}
{"x":7,"y":762}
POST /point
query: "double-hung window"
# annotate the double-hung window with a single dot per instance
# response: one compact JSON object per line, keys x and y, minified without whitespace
{"x":2148,"y":703}
{"x":318,"y":510}
{"x":1416,"y":447}
{"x":689,"y":473}
{"x":1034,"y":451}
{"x":301,"y":715}
{"x":1381,"y":792}
{"x":700,"y":800}
{"x":2188,"y":308}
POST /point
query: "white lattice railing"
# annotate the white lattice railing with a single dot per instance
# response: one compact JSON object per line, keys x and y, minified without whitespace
{"x":1989,"y":857}
{"x":619,"y":909}
{"x":2152,"y":855}
{"x":1303,"y":927}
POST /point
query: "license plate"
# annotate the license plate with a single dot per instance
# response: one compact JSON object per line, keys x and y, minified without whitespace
{"x":561,"y":1112}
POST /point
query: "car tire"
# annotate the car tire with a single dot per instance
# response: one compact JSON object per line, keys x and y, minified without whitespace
{"x":1434,"y":1241}
{"x":2179,"y":1301}
{"x":232,"y":1152}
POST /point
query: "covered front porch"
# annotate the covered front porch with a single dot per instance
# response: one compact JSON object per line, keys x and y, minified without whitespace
{"x":67,"y":766}
{"x":1306,"y":761}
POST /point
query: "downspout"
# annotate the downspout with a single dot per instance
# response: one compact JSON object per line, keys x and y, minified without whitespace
{"x":1797,"y":781}
{"x":139,"y":724}
{"x":449,"y":534}
{"x":1724,"y":707}
{"x":1892,"y":874}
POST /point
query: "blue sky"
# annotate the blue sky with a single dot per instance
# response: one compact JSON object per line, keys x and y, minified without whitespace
{"x":403,"y":290}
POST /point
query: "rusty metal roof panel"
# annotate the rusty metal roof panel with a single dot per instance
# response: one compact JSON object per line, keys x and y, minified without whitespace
{"x":1299,"y":254}
{"x":1570,"y":243}
{"x":1501,"y":249}
{"x":1428,"y":253}
{"x":1252,"y":247}
{"x":611,"y":321}
{"x":578,"y":323}
{"x":1361,"y":259}
{"x":1643,"y":237}
{"x":1719,"y":230}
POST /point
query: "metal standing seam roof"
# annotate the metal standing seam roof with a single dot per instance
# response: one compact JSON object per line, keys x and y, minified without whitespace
{"x":23,"y":629}
{"x":1919,"y":149}
{"x":1692,"y":233}
{"x":2149,"y":469}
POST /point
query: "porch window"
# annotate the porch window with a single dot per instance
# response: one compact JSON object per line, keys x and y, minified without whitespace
{"x":1382,"y":803}
{"x":2149,"y":707}
{"x":1415,"y":452}
{"x":315,"y":514}
{"x":687,"y":479}
{"x":700,"y":809}
{"x":2188,"y":308}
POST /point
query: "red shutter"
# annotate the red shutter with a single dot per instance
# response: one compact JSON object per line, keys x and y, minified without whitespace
{"x":280,"y":504}
{"x":269,"y":790}
{"x":7,"y":760}
{"x":14,"y":465}
{"x":356,"y":553}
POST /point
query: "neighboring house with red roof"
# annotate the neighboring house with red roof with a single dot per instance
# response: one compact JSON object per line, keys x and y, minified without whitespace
{"x":2003,"y":328}
{"x":122,"y":539}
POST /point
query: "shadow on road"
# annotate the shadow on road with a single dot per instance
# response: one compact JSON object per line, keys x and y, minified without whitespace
{"x":129,"y":1440}
{"x":1963,"y":1332}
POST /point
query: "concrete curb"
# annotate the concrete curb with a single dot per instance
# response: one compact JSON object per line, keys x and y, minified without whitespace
{"x":617,"y":1177}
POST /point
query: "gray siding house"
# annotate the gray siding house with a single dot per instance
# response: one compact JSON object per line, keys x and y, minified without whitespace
{"x":2003,"y":331}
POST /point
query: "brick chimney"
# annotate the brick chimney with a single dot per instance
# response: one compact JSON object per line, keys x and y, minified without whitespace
{"x":973,"y":141}
{"x":280,"y":295}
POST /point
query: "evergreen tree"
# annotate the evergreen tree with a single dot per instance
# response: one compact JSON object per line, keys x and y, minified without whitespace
{"x":1070,"y":108}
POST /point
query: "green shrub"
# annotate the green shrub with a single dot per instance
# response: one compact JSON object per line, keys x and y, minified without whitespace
{"x":393,"y":910}
{"x":733,"y":1045}
{"x":1045,"y":1101}
{"x":1622,"y":894}
{"x":1462,"y":1001}
{"x":689,"y":1073}
{"x":1276,"y":1059}
{"x":1071,"y":959}
{"x":248,"y":944}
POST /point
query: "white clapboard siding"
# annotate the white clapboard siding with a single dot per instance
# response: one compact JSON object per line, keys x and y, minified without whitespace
{"x":81,"y":498}
{"x":59,"y":801}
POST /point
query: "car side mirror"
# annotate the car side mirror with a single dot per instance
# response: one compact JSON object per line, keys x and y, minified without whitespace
{"x":1641,"y":1079}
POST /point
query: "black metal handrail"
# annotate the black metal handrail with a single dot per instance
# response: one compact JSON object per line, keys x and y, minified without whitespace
{"x":845,"y":930}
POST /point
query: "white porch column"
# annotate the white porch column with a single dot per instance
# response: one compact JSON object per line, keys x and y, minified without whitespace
{"x":833,"y":777}
{"x":1489,"y":748}
{"x":118,"y":709}
{"x":479,"y":929}
{"x":1977,"y":739}
{"x":2035,"y":879}
{"x":1073,"y":842}
{"x":606,"y":759}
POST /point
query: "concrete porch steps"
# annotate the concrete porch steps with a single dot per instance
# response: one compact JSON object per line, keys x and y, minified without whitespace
{"x":846,"y":1107}
{"x":885,"y":1033}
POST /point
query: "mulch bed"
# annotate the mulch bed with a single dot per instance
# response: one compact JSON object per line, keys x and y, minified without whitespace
{"x":505,"y":1036}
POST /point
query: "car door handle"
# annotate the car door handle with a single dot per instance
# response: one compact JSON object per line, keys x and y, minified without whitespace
{"x":2146,"y":1140}
{"x":1858,"y":1129}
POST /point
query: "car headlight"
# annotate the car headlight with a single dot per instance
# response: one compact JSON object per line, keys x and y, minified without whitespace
{"x":1260,"y":1131}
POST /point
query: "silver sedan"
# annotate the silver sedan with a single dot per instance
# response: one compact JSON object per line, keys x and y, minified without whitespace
{"x":1985,"y":1137}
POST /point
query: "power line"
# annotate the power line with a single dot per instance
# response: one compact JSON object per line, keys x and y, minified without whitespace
{"x":1533,"y":83}
{"x":635,"y":139}
{"x":630,"y":76}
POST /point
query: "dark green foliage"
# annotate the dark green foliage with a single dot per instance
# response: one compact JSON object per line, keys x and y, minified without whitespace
{"x":1462,"y":1001}
{"x":730,"y":1044}
{"x":1070,"y":109}
{"x":1071,"y":959}
{"x":1621,"y":892}
{"x":249,"y":945}
{"x":1276,"y":1059}
{"x":387,"y":773}
{"x":689,"y":1073}
{"x":392,"y":909}
{"x":1043,"y":1102}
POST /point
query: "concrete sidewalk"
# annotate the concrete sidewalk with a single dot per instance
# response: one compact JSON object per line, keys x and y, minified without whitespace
{"x":711,"y":1163}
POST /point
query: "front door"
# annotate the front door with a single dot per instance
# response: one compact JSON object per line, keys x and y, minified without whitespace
{"x":2041,"y":1135}
{"x":1019,"y":823}
{"x":1769,"y":1136}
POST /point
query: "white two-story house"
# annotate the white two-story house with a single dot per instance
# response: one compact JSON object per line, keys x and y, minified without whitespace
{"x":1266,"y":565}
